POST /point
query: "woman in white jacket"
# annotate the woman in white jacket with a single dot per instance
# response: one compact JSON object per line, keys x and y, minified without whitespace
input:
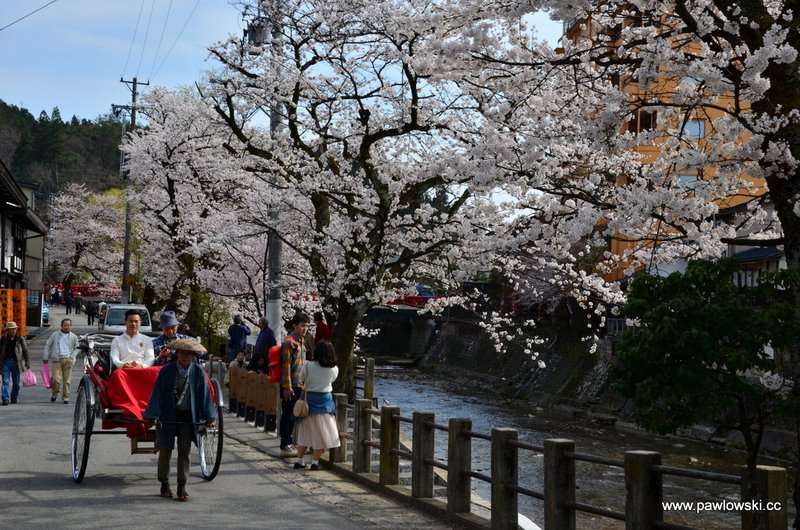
{"x":318,"y":429}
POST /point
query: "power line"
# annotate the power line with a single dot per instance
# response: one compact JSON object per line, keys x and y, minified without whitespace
{"x":160,"y":39}
{"x":23,"y":17}
{"x":180,"y":33}
{"x":146,"y":33}
{"x":133,"y":39}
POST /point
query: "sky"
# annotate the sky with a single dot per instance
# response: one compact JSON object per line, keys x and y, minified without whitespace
{"x":71,"y":54}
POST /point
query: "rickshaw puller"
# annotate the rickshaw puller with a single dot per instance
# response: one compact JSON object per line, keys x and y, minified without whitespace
{"x":180,"y":403}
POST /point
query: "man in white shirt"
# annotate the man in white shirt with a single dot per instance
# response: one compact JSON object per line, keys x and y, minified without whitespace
{"x":132,"y":349}
{"x":61,"y":348}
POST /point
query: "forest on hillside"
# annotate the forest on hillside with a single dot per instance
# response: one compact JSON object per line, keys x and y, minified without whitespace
{"x":50,"y":153}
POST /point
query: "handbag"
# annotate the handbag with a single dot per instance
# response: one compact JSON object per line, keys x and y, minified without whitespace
{"x":300,"y":409}
{"x":28,"y":378}
{"x":45,"y":373}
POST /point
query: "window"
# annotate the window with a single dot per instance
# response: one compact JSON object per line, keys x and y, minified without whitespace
{"x":695,"y":129}
{"x":647,"y":120}
{"x":687,"y":182}
{"x":116,"y":317}
{"x":643,"y":120}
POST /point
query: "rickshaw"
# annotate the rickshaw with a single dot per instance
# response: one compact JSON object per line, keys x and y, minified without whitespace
{"x":93,"y":402}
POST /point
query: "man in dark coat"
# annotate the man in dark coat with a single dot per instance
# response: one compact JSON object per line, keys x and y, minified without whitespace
{"x":180,"y":403}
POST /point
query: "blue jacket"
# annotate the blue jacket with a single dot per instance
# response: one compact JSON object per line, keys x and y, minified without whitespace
{"x":265,"y":341}
{"x":163,"y":407}
{"x":238,"y":336}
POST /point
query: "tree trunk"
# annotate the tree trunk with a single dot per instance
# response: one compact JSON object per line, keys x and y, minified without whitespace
{"x":344,"y":335}
{"x":194,"y":315}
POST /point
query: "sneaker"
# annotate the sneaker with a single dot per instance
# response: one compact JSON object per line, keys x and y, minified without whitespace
{"x":66,"y":402}
{"x":5,"y":402}
{"x":288,"y":452}
{"x":314,"y":467}
{"x":52,"y":399}
{"x":299,"y":465}
{"x":13,"y":401}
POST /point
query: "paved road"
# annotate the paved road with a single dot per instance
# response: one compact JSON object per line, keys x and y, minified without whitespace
{"x":120,"y":489}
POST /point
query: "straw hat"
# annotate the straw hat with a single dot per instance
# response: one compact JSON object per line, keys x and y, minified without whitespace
{"x":11,"y":325}
{"x":188,"y":345}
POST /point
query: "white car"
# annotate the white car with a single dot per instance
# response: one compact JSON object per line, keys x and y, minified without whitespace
{"x":115,"y":318}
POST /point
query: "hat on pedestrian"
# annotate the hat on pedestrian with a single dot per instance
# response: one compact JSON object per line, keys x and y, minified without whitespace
{"x":188,"y":345}
{"x":168,"y":319}
{"x":11,"y":325}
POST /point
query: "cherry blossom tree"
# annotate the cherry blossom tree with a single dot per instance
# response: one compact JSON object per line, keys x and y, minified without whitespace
{"x":86,"y":233}
{"x":371,"y":133}
{"x":183,"y":189}
{"x":578,"y":124}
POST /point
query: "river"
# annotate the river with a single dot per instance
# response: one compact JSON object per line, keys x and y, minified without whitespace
{"x":598,"y":485}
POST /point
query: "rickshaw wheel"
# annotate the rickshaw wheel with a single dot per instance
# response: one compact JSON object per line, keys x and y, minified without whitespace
{"x":82,"y":425}
{"x":210,"y":440}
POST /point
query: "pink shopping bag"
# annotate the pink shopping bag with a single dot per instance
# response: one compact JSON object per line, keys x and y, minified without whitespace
{"x":28,"y":378}
{"x":45,"y":373}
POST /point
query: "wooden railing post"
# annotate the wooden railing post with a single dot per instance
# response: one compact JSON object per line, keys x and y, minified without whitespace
{"x":422,"y":454}
{"x":559,"y":484}
{"x":459,"y":464}
{"x":504,"y":479}
{"x":369,"y":379}
{"x":363,"y":433}
{"x":390,"y":440}
{"x":339,"y":454}
{"x":233,"y":391}
{"x":771,"y":489}
{"x":644,"y":492}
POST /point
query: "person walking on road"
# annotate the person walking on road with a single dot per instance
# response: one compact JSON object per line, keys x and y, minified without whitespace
{"x":68,"y":302}
{"x":293,"y":355}
{"x":180,"y":404}
{"x":318,"y":429}
{"x":91,"y":312}
{"x":13,"y":357}
{"x":61,"y":348}
{"x":237,"y":333}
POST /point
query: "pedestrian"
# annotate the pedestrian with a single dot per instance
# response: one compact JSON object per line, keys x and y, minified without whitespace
{"x":323,"y":332}
{"x":265,"y":341}
{"x":237,"y":337}
{"x":293,"y":355}
{"x":162,"y":346}
{"x":180,"y":405}
{"x":102,"y":308}
{"x":13,"y":356}
{"x":318,"y":429}
{"x":91,"y":312}
{"x":68,"y":302}
{"x":61,"y":348}
{"x":78,"y":304}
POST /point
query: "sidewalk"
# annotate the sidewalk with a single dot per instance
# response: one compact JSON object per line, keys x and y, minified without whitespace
{"x":358,"y":503}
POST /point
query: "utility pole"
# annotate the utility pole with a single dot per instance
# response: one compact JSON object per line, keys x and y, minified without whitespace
{"x":272,"y":259}
{"x":133,"y":85}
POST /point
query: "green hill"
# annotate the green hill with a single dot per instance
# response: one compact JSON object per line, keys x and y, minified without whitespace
{"x":51,"y":153}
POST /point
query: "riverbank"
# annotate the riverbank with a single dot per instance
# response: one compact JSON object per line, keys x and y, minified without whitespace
{"x":594,"y":413}
{"x":489,"y":407}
